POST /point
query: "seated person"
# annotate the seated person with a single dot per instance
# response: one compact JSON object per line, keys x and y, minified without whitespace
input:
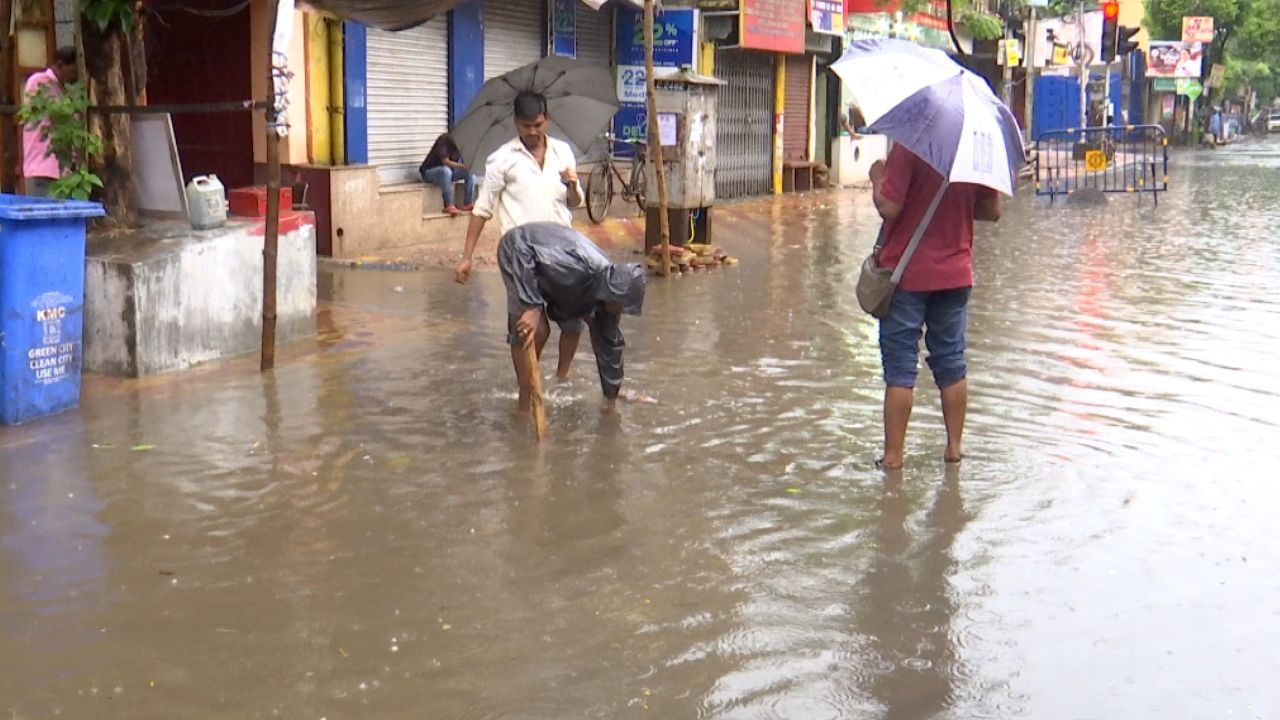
{"x":443,"y":166}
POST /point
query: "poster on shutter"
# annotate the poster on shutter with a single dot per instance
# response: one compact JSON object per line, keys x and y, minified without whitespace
{"x":631,"y":123}
{"x":674,"y":38}
{"x":631,"y":85}
{"x":563,"y":19}
{"x":827,"y":16}
{"x":675,"y":44}
{"x":774,"y":25}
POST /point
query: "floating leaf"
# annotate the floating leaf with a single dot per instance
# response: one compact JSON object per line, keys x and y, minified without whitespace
{"x":143,"y":448}
{"x":793,"y":491}
{"x":401,"y":462}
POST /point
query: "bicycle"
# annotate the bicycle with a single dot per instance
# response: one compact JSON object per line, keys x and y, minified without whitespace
{"x":600,"y":183}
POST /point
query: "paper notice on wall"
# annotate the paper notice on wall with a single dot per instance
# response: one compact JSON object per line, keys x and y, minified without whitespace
{"x":668,"y":134}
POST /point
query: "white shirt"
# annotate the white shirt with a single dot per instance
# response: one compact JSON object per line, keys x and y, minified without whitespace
{"x":519,"y":192}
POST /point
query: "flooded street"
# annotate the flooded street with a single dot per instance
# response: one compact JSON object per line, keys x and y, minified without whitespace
{"x":370,"y":533}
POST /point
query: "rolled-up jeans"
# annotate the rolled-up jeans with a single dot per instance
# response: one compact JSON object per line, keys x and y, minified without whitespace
{"x":943,"y":316}
{"x":445,"y":177}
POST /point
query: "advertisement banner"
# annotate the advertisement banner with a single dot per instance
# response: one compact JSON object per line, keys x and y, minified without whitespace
{"x":1217,"y":76}
{"x":1164,"y":85}
{"x":772,"y":25}
{"x":675,"y":44}
{"x":1055,"y":37}
{"x":1197,"y":29}
{"x":827,"y":16}
{"x":563,"y":18}
{"x":1174,"y":59}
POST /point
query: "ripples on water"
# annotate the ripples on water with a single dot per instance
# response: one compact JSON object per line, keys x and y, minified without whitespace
{"x":372,"y":534}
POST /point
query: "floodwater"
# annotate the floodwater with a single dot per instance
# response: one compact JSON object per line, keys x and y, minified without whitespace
{"x":369,"y":533}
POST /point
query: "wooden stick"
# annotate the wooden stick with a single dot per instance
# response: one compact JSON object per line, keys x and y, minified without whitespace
{"x":271,"y":239}
{"x":654,"y":148}
{"x":535,"y":392}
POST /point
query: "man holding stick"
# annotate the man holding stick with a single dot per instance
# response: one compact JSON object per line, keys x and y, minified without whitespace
{"x":533,"y":178}
{"x":555,"y":273}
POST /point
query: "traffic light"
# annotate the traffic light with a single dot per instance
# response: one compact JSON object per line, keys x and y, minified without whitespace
{"x":1110,"y":28}
{"x":1125,"y":43}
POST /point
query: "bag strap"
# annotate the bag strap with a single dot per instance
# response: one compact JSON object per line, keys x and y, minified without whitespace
{"x":919,"y":233}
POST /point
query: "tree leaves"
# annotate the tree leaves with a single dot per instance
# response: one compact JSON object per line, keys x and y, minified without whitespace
{"x":107,"y":14}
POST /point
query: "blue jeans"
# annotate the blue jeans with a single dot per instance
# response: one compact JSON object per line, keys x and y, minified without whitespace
{"x":942,"y":315}
{"x":445,"y":177}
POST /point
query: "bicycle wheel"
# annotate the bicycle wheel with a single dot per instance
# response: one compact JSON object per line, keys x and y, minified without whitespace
{"x":599,"y":192}
{"x":639,"y":184}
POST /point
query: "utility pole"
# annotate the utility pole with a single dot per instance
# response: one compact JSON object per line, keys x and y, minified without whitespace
{"x":6,"y":93}
{"x":271,"y":236}
{"x":1029,"y":80}
{"x":1082,"y":45}
{"x":654,"y":146}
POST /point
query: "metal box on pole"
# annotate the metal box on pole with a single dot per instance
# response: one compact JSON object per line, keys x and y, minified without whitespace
{"x":686,"y":105}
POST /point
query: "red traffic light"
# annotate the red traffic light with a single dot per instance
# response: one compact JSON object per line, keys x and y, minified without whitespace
{"x":1110,"y":10}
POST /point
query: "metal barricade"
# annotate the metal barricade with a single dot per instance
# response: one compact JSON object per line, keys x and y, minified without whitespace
{"x":1116,"y":159}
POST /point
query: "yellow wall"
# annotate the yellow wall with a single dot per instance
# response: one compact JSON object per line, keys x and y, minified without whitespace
{"x":318,"y":122}
{"x":1131,"y":14}
{"x":293,"y":149}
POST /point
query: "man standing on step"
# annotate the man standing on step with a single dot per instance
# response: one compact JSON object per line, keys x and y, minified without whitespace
{"x":533,"y":178}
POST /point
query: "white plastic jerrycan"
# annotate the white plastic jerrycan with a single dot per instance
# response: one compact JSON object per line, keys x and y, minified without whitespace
{"x":206,"y":202}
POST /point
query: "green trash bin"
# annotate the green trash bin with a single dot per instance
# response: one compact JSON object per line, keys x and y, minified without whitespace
{"x":41,"y":305}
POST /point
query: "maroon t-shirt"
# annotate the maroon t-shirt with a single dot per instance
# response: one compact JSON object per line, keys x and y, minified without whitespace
{"x":944,"y":258}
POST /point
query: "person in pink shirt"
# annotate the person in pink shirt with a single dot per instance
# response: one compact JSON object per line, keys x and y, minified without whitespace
{"x":933,"y":297}
{"x":40,"y":168}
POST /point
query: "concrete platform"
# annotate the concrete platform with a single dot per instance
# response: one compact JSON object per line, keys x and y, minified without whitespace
{"x":167,"y":297}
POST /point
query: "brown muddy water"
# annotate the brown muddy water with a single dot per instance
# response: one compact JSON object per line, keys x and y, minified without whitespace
{"x":369,"y":533}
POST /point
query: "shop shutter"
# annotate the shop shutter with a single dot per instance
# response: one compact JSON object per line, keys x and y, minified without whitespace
{"x":595,"y":32}
{"x":795,"y":121}
{"x":513,"y":34}
{"x":408,"y":97}
{"x":744,"y":133}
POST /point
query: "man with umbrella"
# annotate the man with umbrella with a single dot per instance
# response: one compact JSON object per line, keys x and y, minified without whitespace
{"x":533,"y":178}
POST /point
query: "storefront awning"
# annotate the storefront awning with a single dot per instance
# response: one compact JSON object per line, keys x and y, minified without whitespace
{"x":385,"y":14}
{"x":404,"y":14}
{"x":597,"y":4}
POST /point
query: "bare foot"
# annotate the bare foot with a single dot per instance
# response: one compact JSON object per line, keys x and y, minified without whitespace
{"x":886,"y":464}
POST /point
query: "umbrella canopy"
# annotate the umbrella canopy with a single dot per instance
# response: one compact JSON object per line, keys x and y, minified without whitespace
{"x":923,"y":100}
{"x":581,"y":102}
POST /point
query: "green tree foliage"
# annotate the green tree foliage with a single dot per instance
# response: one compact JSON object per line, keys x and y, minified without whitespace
{"x":61,"y":116}
{"x":108,"y":14}
{"x":1257,"y":36}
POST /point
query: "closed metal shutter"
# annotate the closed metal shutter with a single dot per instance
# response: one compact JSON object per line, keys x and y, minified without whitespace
{"x":595,"y":33}
{"x":744,"y":135}
{"x":513,"y":34}
{"x":408,"y":97}
{"x":795,"y":121}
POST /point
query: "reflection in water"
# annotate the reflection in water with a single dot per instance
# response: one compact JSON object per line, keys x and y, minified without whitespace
{"x":369,"y":532}
{"x":909,"y":606}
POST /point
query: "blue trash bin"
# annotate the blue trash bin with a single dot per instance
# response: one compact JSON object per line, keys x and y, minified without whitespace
{"x":41,"y":305}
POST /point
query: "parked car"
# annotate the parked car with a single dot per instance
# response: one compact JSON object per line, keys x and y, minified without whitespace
{"x":1273,"y":120}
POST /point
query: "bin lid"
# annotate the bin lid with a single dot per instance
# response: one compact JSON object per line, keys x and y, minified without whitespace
{"x":21,"y":207}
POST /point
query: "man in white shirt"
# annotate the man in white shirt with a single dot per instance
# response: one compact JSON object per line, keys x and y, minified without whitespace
{"x":533,"y":178}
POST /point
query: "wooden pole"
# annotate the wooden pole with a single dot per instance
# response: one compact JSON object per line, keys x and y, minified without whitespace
{"x":271,"y":241}
{"x":535,"y":392}
{"x":655,"y":140}
{"x":7,"y":154}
